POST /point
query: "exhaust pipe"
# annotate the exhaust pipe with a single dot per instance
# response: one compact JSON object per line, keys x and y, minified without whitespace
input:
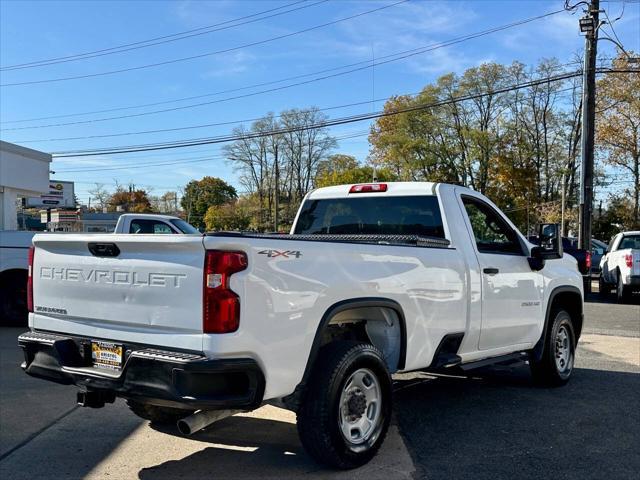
{"x":202,"y":419}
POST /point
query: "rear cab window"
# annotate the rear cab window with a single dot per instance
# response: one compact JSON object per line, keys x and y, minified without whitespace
{"x":375,"y":215}
{"x":630,"y":241}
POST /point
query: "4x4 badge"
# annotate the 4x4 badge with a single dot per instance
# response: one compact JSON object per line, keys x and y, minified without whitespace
{"x":281,"y":253}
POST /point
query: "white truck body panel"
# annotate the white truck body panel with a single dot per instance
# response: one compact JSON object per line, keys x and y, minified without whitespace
{"x":152,"y":292}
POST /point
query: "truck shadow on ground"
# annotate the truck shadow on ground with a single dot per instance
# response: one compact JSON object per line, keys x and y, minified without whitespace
{"x":494,"y":425}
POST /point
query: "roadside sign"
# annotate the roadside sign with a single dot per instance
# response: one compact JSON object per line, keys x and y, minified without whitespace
{"x":61,"y":194}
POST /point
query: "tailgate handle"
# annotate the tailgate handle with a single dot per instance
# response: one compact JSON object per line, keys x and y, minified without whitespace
{"x":104,"y":249}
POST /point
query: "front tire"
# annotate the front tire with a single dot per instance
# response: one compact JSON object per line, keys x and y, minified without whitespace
{"x":346,"y":409}
{"x":558,"y":356}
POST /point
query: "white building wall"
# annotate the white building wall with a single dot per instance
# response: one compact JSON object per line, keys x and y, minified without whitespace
{"x":23,"y":173}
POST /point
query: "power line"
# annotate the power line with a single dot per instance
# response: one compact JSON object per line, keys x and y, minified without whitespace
{"x":364,"y":65}
{"x":182,"y":161}
{"x":231,"y":122}
{"x":208,"y":54}
{"x":328,"y":123}
{"x":165,"y":38}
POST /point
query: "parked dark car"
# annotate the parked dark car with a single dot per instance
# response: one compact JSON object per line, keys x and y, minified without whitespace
{"x":598,"y":249}
{"x":570,"y":247}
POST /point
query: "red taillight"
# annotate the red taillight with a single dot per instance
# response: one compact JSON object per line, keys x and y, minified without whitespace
{"x":221,"y":306}
{"x":628,"y":259}
{"x":588,"y":261}
{"x":30,"y":280}
{"x":368,"y":187}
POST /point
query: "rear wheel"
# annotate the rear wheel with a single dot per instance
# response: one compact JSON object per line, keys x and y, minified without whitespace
{"x":158,"y":415}
{"x":346,"y":409}
{"x":603,"y":288}
{"x":622,"y":291}
{"x":555,"y":366}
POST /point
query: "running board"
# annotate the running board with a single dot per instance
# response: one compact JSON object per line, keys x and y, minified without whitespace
{"x":502,"y":359}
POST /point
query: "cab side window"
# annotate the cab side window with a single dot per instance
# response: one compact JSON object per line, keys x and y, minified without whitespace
{"x":149,"y":226}
{"x":491,"y":232}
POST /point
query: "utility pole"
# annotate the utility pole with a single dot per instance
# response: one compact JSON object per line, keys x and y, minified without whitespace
{"x":564,"y":179}
{"x":589,"y":25}
{"x":277,"y":193}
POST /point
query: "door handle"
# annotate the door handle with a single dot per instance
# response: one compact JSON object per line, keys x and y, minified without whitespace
{"x":491,"y":271}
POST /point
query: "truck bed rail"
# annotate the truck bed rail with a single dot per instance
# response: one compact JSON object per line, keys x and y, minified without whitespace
{"x":412,"y":240}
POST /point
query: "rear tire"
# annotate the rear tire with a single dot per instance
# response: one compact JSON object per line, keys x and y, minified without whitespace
{"x":622,"y":292}
{"x":603,"y":288}
{"x":346,"y":409}
{"x":556,"y":363}
{"x":158,"y":415}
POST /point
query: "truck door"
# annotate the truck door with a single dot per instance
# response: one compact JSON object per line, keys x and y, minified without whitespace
{"x":511,"y":291}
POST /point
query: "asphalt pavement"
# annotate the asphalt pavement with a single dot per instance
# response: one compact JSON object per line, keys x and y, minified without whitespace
{"x":493,"y":425}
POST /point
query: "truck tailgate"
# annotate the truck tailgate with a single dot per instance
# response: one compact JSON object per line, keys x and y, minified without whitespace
{"x":635,"y":262}
{"x":149,"y":293}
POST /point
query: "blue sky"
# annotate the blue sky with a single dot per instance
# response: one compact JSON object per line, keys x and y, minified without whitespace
{"x":31,"y":31}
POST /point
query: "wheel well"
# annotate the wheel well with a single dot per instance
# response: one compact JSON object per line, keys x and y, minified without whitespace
{"x":377,"y":325}
{"x":572,"y":303}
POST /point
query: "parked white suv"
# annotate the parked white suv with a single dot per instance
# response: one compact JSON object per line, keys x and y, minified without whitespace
{"x":620,"y":266}
{"x":373,"y":279}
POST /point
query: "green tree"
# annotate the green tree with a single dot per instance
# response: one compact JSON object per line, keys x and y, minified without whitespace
{"x":199,"y":195}
{"x":230,"y":216}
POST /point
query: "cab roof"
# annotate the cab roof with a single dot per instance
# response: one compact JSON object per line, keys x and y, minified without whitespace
{"x":393,"y":189}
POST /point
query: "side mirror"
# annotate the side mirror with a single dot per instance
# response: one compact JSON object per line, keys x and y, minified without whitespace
{"x":550,"y":241}
{"x":550,"y":246}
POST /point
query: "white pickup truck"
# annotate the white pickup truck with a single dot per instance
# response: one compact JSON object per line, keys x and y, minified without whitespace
{"x":373,"y":279}
{"x":620,"y":266}
{"x":137,"y":223}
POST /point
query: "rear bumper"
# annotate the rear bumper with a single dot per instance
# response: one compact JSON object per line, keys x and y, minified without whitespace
{"x":157,"y":376}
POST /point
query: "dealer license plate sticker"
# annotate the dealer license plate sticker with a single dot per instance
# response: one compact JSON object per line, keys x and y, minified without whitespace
{"x":106,"y":355}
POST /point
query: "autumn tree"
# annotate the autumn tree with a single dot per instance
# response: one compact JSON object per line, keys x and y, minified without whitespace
{"x":618,"y":126}
{"x":130,"y":199}
{"x":343,"y":169}
{"x":199,"y":195}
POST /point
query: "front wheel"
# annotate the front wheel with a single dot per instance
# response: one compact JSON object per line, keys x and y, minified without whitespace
{"x":555,"y":366}
{"x":346,"y":409}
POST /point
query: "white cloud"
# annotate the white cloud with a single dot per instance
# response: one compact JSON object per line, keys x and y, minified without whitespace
{"x":230,"y":64}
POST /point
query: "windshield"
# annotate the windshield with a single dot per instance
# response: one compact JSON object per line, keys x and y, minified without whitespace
{"x":183,"y":226}
{"x":630,"y":241}
{"x":410,"y":215}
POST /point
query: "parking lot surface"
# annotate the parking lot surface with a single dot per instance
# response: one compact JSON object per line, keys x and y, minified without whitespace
{"x":495,"y":424}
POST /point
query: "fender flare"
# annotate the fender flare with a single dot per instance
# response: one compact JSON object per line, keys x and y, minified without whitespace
{"x":539,"y":347}
{"x":365,"y":302}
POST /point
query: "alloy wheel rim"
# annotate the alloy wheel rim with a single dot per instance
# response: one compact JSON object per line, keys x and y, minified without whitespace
{"x":360,"y":407}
